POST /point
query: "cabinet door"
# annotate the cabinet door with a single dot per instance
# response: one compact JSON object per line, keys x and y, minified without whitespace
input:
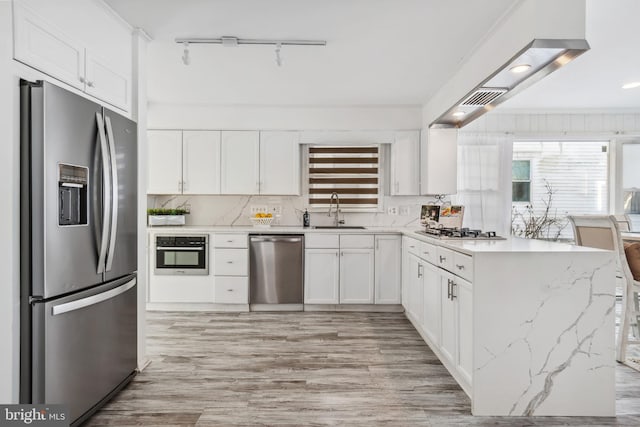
{"x":164,"y":166}
{"x":447,"y":319}
{"x":439,"y":158}
{"x":108,"y":83}
{"x":46,"y":48}
{"x":201,"y":162}
{"x":387,"y":269}
{"x":279,"y":163}
{"x":416,"y":271}
{"x":463,"y":297}
{"x":240,"y":162}
{"x":406,"y":272}
{"x":432,"y":302}
{"x":356,"y":276}
{"x":321,"y":276}
{"x":405,"y":164}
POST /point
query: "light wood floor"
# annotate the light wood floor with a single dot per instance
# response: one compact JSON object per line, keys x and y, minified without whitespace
{"x":298,"y":369}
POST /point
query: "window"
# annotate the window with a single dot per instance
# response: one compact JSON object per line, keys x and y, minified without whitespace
{"x":521,"y":181}
{"x":351,"y":171}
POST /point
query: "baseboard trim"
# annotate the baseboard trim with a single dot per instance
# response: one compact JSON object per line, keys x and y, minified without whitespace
{"x":372,"y":308}
{"x":188,"y":306}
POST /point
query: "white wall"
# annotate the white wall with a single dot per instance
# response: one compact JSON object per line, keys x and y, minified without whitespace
{"x":9,"y":232}
{"x":174,"y":116}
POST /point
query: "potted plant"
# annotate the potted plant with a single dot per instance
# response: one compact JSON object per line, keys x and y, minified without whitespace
{"x":164,"y":216}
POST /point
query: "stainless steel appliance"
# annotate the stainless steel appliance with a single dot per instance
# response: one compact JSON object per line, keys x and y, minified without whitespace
{"x":78,"y":254}
{"x":182,"y":255}
{"x":276,"y":269}
{"x":446,"y":233}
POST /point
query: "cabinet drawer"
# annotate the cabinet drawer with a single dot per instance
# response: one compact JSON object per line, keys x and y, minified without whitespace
{"x":413,"y":246}
{"x":232,"y":290}
{"x":354,"y":241}
{"x":230,"y":240}
{"x":321,"y":241}
{"x":428,"y":252}
{"x":445,"y":258}
{"x":231,"y":262}
{"x":463,"y":265}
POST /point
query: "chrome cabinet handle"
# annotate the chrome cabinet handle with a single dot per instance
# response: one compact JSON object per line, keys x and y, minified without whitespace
{"x":442,"y":259}
{"x":420,"y":267}
{"x":448,"y":288}
{"x":114,"y":190}
{"x":229,"y":290}
{"x":453,"y":286}
{"x":229,"y":262}
{"x":89,"y":83}
{"x":460,"y":266}
{"x":94,"y":299}
{"x":426,"y":253}
{"x":81,"y":79}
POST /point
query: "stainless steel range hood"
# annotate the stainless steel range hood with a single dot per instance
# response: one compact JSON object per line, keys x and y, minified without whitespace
{"x":537,"y":60}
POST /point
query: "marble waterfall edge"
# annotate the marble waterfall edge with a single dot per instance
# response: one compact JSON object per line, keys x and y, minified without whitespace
{"x":544,"y":341}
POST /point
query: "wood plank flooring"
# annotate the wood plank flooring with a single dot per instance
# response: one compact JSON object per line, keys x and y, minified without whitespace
{"x":307,"y":369}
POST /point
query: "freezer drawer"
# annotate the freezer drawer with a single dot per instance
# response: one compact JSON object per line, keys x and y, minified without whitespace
{"x":84,"y":346}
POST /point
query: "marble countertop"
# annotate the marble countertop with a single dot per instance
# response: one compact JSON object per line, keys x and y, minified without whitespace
{"x":509,"y":245}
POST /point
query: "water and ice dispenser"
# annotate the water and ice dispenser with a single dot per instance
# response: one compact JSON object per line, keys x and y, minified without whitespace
{"x":72,"y":194}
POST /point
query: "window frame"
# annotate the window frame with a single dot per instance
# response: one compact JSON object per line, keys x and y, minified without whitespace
{"x":382,"y":178}
{"x":521,"y":180}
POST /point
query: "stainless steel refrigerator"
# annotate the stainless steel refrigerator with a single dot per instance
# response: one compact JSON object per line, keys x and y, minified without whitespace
{"x":78,"y":251}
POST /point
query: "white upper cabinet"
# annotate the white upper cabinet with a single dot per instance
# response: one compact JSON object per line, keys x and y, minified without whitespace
{"x":41,"y":45}
{"x":105,"y":82}
{"x":439,"y":157}
{"x":240,"y":162}
{"x":92,"y":54}
{"x":405,"y":164}
{"x":183,"y":162}
{"x":164,"y":164}
{"x":200,"y":162}
{"x":279,"y":163}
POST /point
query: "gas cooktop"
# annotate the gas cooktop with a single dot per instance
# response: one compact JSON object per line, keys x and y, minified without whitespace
{"x":459,"y":234}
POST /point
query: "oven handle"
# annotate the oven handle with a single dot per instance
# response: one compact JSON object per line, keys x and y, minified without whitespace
{"x":170,"y":248}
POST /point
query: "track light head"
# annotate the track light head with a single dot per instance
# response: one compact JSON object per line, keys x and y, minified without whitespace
{"x":186,"y":60}
{"x":278,"y":57}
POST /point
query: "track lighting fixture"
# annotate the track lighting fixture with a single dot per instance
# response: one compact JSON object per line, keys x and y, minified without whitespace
{"x":228,"y":41}
{"x":185,"y":54}
{"x":278,"y":58}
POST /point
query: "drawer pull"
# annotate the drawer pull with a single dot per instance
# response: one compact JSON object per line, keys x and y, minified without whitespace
{"x":412,"y":247}
{"x":453,"y":294}
{"x":229,"y":290}
{"x":229,"y":241}
{"x":229,"y":262}
{"x":460,"y":266}
{"x":426,"y":253}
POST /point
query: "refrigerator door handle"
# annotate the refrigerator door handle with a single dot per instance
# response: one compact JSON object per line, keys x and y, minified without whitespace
{"x":114,"y":193}
{"x":92,"y":300}
{"x":106,"y":193}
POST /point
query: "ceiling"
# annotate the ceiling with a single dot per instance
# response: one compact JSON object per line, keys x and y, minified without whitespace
{"x":379,"y":52}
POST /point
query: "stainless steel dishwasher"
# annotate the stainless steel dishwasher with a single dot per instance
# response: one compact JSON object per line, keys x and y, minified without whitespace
{"x":276,"y":270}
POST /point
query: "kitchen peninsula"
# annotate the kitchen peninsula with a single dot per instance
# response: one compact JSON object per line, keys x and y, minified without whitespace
{"x":526,"y":327}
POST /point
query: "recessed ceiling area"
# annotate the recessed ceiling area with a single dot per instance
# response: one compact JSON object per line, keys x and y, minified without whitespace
{"x":379,"y":52}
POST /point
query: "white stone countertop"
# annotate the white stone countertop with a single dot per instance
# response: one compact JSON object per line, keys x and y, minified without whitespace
{"x":510,"y":245}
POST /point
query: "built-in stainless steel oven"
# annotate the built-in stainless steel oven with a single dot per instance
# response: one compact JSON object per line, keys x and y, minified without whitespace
{"x":182,"y":255}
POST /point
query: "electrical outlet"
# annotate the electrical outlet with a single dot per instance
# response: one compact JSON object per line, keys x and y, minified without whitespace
{"x":258,"y":209}
{"x":392,"y":210}
{"x":404,"y":210}
{"x":276,"y":210}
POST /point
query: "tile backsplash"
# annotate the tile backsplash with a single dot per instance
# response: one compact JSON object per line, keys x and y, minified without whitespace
{"x":236,"y":210}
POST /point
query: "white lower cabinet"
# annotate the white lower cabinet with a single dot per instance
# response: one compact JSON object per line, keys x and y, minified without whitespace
{"x":231,"y":290}
{"x":440,"y":303}
{"x":322,"y":276}
{"x":464,"y":299}
{"x":448,"y":319}
{"x":356,"y":276}
{"x":388,"y":256}
{"x":431,"y":288}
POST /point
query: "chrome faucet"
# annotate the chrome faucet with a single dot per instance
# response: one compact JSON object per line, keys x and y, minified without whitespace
{"x":338,"y":220}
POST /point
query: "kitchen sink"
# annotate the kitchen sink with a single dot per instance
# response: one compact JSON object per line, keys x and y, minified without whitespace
{"x":344,"y":227}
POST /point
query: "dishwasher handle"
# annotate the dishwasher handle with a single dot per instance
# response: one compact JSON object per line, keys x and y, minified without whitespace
{"x":272,"y":239}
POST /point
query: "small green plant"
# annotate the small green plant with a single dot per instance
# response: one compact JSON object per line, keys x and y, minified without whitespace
{"x":166,"y":211}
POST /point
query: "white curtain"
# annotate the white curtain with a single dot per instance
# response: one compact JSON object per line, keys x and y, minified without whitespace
{"x":484,"y":181}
